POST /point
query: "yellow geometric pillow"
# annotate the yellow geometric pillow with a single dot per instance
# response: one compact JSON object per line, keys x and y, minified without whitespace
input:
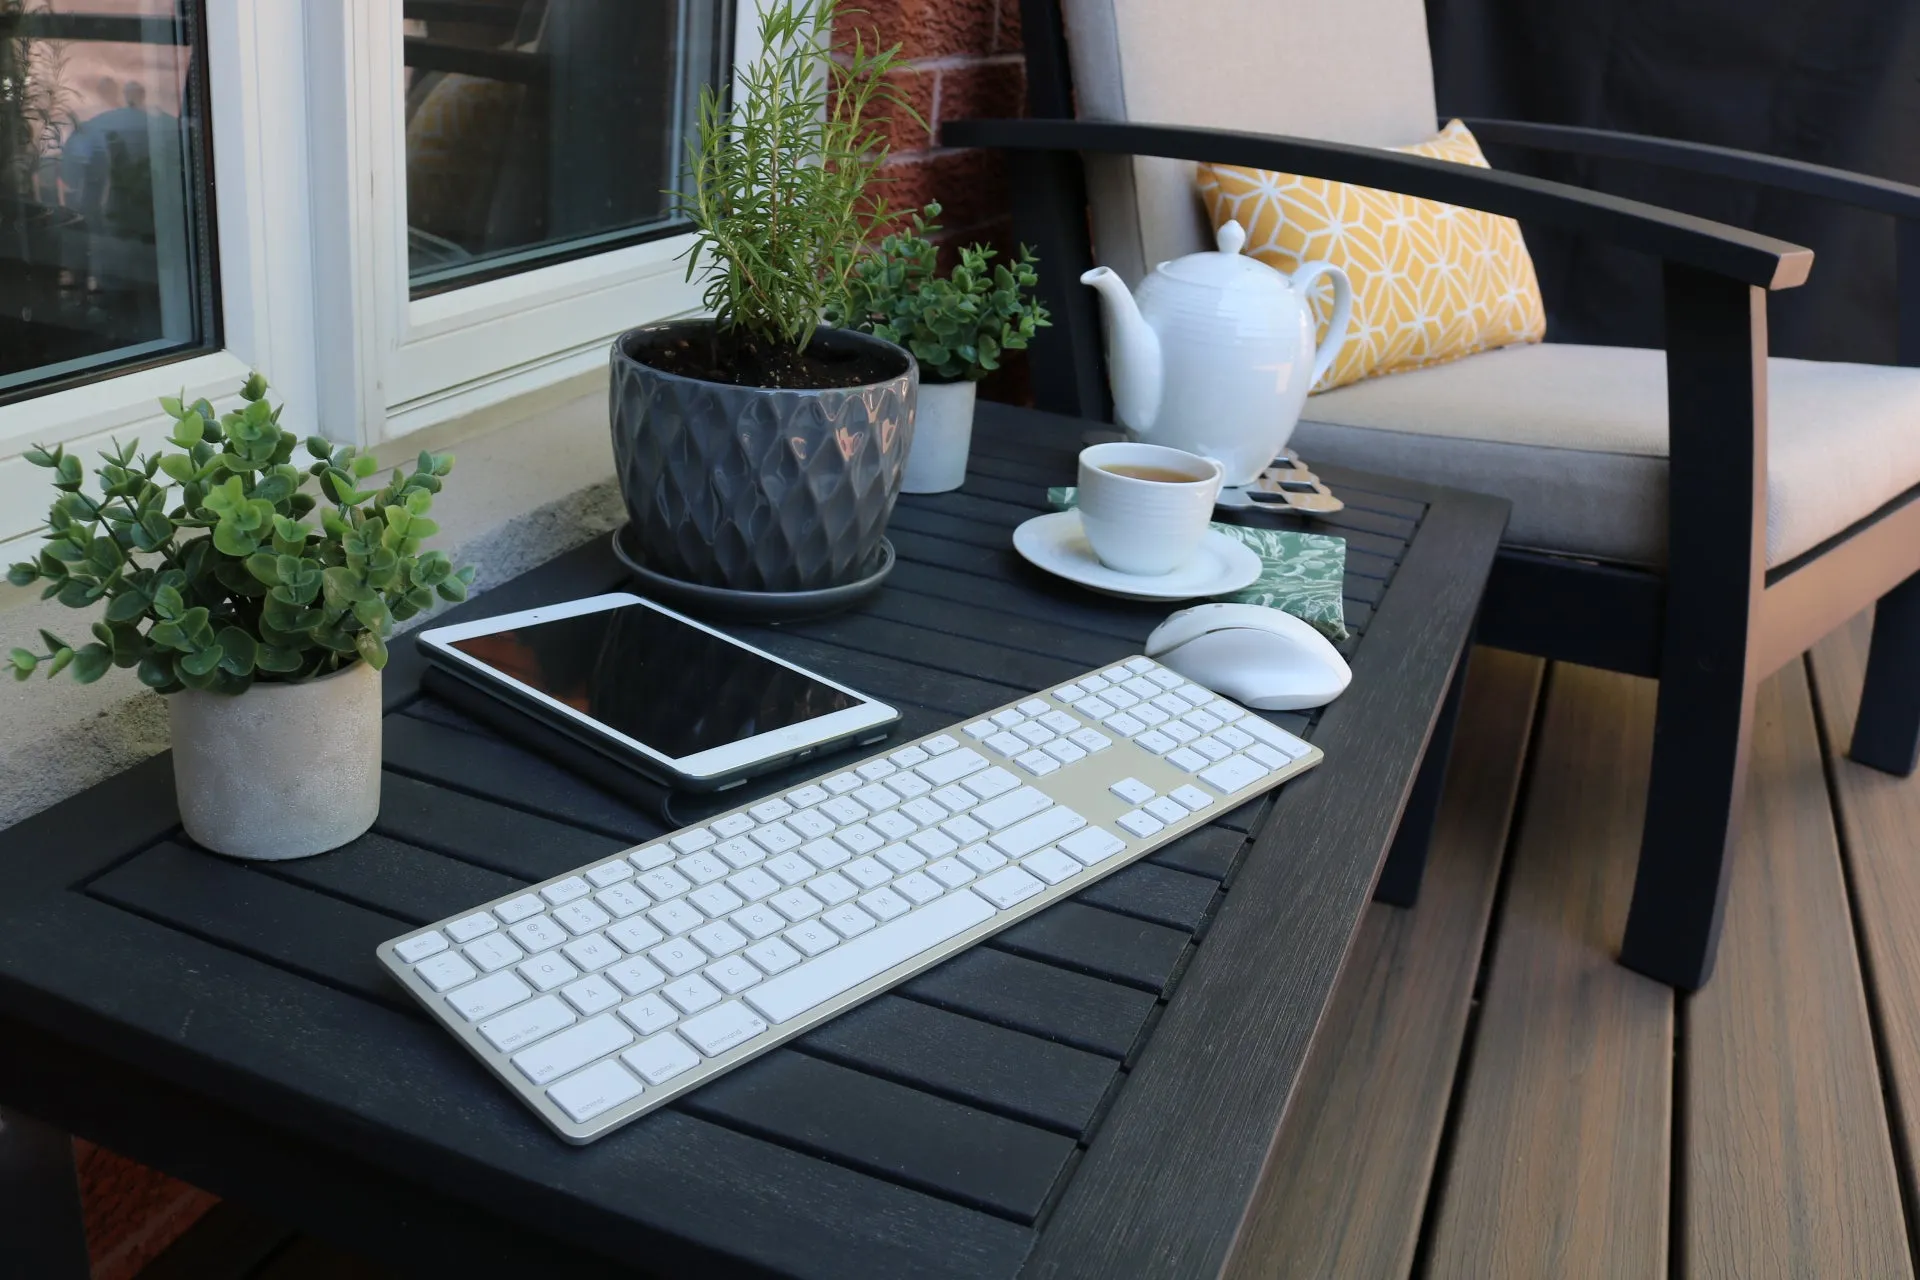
{"x":1431,"y":282}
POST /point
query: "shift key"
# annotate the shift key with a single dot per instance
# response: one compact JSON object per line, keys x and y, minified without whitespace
{"x":1022,"y":838}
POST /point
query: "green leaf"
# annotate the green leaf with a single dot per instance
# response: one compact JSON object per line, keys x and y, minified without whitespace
{"x":452,"y":589}
{"x":168,"y":635}
{"x":91,"y":662}
{"x":127,"y":606}
{"x":23,"y":663}
{"x":156,"y":672}
{"x":61,"y":657}
{"x":23,"y":574}
{"x":254,"y":388}
{"x":277,"y":661}
{"x":343,"y":588}
{"x":171,"y":404}
{"x":53,"y":642}
{"x":238,"y":650}
{"x":372,"y":614}
{"x":320,"y":446}
{"x":365,"y":465}
{"x":233,"y":540}
{"x":266,"y":568}
{"x":167,"y":602}
{"x":188,"y":431}
{"x":179,"y":467}
{"x":201,"y":662}
{"x":76,"y":593}
{"x":372,"y":648}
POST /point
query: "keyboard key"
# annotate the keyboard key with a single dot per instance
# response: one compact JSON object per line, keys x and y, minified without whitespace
{"x":572,"y":1049}
{"x":678,"y":956}
{"x":1007,"y":744}
{"x":1051,"y":865}
{"x":1123,"y":724}
{"x":1009,"y":717}
{"x":1180,"y":732}
{"x":844,"y":809}
{"x":752,"y":885}
{"x":1140,"y":822}
{"x":1186,"y":758}
{"x":874,"y":770}
{"x":635,"y":935}
{"x":893,"y":824}
{"x":489,"y":996}
{"x":664,"y":883}
{"x":1035,"y":733}
{"x":954,"y":799}
{"x":841,"y":783}
{"x":1065,"y":752}
{"x":693,"y":841}
{"x":623,"y":900}
{"x":1059,"y":722}
{"x":1232,"y":774}
{"x":676,"y":916}
{"x":1132,"y":790}
{"x":919,"y":887}
{"x":991,"y":782}
{"x":717,"y":900}
{"x":812,"y":937}
{"x":773,"y":955}
{"x":445,"y":970}
{"x":1141,"y":666}
{"x":732,"y":975}
{"x":493,"y":951}
{"x":907,"y":757}
{"x":691,"y":993}
{"x":902,"y":858}
{"x":721,"y":1029}
{"x":634,"y":975}
{"x":1043,"y":829}
{"x":980,"y":729}
{"x":662,"y":1058}
{"x":648,"y":1014}
{"x":1096,"y":708}
{"x":1150,"y":716}
{"x":860,"y":838}
{"x":1117,"y":674}
{"x":1069,"y":693}
{"x":719,"y":938}
{"x":591,"y":995}
{"x":1147,"y":691}
{"x":867,"y":873}
{"x":1165,"y":678}
{"x":1202,"y":721}
{"x":1212,"y":748}
{"x":758,"y":920}
{"x":1233,"y":737}
{"x":740,"y":852}
{"x":952,"y":766}
{"x":832,"y":888}
{"x":1193,"y":695}
{"x":768,"y":810}
{"x":811,"y":825}
{"x":964,"y":829}
{"x":1093,"y":684}
{"x":734,"y":824}
{"x":807,"y":796}
{"x":420,"y":946}
{"x":795,"y":904}
{"x":818,"y":980}
{"x":885,"y":904}
{"x":792,"y":868}
{"x":582,"y":917}
{"x":1173,"y":704}
{"x":704,"y":868}
{"x":1272,"y":757}
{"x":908,"y":785}
{"x":982,"y":858}
{"x":1121,"y":699}
{"x":521,"y":1026}
{"x":1090,"y":740}
{"x":598,"y":1089}
{"x":1155,"y":741}
{"x":566,"y":890}
{"x":847,"y":920}
{"x":825,"y":853}
{"x":1093,"y":844}
{"x":1037,"y":763}
{"x":1165,"y":809}
{"x":611,"y":872}
{"x":653,"y":855}
{"x":514,"y":910}
{"x":939,"y":744}
{"x":933,"y":844}
{"x":775,"y":837}
{"x":467,"y":928}
{"x":1272,"y":735}
{"x":950,"y":872}
{"x":1192,"y":797}
{"x":1004,"y":811}
{"x":1032,"y":707}
{"x":592,"y":952}
{"x":876,"y":797}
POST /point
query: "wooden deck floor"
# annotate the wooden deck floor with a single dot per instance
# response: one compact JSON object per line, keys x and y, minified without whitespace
{"x":1492,"y":1097}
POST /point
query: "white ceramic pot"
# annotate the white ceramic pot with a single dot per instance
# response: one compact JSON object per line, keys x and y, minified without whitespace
{"x":283,"y":770}
{"x":942,"y":435}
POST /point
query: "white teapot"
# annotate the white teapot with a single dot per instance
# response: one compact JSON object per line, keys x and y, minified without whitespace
{"x":1215,"y":354}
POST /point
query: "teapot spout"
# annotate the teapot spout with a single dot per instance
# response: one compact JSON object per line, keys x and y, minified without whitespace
{"x":1133,"y":353}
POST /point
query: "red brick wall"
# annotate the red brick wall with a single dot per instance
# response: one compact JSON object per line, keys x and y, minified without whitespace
{"x":132,"y":1213}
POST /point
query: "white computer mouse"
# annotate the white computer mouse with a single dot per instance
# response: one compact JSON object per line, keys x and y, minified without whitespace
{"x":1257,"y":656}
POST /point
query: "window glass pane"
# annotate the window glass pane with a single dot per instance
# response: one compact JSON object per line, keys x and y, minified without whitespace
{"x":105,"y":224}
{"x":538,"y":130}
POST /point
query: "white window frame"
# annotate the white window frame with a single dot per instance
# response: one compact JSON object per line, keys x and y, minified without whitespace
{"x":309,"y":164}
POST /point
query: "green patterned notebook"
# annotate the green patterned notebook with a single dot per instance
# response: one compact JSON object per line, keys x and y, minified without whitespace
{"x":1301,"y":573}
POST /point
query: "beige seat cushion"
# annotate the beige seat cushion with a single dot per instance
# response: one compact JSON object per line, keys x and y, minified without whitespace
{"x":1576,"y":437}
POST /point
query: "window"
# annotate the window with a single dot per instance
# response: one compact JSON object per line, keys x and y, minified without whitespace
{"x":105,"y":246}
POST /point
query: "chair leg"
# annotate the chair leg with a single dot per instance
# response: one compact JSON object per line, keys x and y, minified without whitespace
{"x":1406,"y":864}
{"x":1701,"y":728}
{"x":40,"y":1228}
{"x":1886,"y":736}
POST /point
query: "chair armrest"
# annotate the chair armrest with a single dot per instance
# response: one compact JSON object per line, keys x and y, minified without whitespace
{"x":1674,"y":237}
{"x":1878,"y":194}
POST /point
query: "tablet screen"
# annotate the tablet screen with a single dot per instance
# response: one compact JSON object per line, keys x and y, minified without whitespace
{"x":675,"y":688}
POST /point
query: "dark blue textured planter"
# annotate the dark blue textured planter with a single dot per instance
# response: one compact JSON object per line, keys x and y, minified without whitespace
{"x":756,"y":488}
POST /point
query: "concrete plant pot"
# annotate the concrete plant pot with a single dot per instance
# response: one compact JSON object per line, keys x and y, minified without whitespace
{"x":282,"y":771}
{"x":942,"y":437}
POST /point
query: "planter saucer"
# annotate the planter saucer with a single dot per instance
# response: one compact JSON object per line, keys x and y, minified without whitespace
{"x":1056,"y":543}
{"x":726,"y":604}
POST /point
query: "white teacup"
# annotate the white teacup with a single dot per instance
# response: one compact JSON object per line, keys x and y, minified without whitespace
{"x":1146,"y":507}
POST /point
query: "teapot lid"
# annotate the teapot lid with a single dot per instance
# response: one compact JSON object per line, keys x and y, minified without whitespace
{"x":1223,"y":268}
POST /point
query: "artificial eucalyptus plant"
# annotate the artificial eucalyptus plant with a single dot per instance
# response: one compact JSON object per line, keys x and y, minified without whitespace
{"x":958,"y":325}
{"x":212,"y":575}
{"x":784,"y":177}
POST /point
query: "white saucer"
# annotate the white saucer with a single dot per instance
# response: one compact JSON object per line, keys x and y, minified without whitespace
{"x":1056,"y":543}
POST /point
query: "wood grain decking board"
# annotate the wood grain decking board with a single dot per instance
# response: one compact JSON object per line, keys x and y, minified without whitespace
{"x":1786,"y":1166}
{"x":1346,"y":1182}
{"x":1879,"y":817}
{"x":1560,"y":1152}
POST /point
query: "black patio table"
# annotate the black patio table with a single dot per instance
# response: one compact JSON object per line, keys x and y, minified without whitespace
{"x":1092,"y":1092}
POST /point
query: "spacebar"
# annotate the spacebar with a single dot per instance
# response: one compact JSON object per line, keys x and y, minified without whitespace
{"x":872,"y":953}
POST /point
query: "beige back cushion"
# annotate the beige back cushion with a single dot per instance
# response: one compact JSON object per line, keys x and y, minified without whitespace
{"x":1354,"y":71}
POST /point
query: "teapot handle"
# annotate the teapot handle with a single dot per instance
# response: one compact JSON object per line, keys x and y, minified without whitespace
{"x":1304,"y":280}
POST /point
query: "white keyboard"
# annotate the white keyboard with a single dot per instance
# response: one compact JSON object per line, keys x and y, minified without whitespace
{"x":611,"y":990}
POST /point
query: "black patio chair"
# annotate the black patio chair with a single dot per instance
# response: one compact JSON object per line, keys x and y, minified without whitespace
{"x":1674,"y":557}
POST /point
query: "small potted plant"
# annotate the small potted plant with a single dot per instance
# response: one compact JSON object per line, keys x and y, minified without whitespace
{"x":269,"y":634}
{"x":758,"y":450}
{"x":957,"y":326}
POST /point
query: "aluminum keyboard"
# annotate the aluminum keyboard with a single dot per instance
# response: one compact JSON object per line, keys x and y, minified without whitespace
{"x":613,"y":989}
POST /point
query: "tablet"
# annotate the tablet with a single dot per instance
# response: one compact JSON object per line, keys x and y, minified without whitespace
{"x":678,"y":700}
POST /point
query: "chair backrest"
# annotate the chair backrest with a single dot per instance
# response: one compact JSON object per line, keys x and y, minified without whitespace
{"x":1356,"y":71}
